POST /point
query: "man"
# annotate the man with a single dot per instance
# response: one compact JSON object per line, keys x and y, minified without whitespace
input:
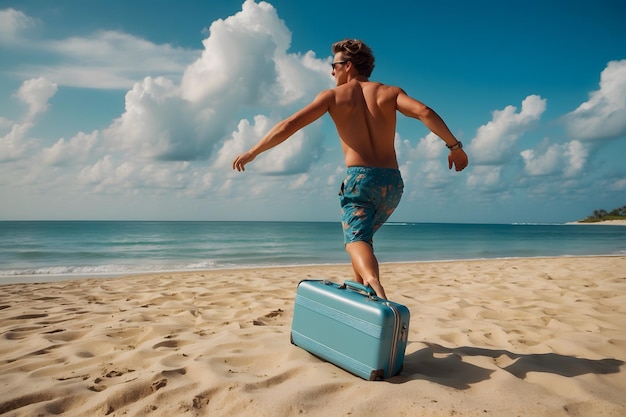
{"x":364,"y":113}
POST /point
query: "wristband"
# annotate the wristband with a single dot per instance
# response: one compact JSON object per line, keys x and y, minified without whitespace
{"x":457,"y":145}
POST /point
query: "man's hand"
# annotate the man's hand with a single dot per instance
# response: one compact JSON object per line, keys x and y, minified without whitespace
{"x":241,"y":160}
{"x":458,"y":158}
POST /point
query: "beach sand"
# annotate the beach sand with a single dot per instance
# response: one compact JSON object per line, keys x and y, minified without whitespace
{"x":513,"y":337}
{"x":601,"y":223}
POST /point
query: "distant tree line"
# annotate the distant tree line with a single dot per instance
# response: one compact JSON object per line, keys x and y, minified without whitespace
{"x":600,"y":215}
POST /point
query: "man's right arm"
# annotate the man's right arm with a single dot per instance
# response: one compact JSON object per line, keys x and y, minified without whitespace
{"x":284,"y":129}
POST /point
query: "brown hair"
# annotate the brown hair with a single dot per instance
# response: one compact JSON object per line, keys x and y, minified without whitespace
{"x":358,"y":53}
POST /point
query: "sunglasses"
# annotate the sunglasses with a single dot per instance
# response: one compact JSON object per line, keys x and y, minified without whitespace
{"x":337,"y":63}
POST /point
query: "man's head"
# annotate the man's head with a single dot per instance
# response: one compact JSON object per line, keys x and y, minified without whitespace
{"x":356,"y":52}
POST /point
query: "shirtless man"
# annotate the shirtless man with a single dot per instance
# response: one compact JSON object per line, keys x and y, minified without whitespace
{"x":364,"y":113}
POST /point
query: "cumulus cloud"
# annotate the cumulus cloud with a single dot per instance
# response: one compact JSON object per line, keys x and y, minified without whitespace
{"x":156,"y":124}
{"x":428,"y":147}
{"x":494,"y":142}
{"x":425,"y":163}
{"x":181,"y":135}
{"x":576,"y":155}
{"x":486,"y":178}
{"x":64,"y":153}
{"x":179,"y":132}
{"x":15,"y":144}
{"x":238,"y":49}
{"x":568,"y":160}
{"x":292,"y":157}
{"x":603,"y":116}
{"x":546,"y":163}
{"x":238,"y":70}
{"x":36,"y":93}
{"x":245,"y":60}
{"x":133,"y":177}
{"x":188,"y":113}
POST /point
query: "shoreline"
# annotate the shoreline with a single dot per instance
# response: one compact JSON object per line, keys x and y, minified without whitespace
{"x":601,"y":223}
{"x":50,"y":278}
{"x":548,"y":335}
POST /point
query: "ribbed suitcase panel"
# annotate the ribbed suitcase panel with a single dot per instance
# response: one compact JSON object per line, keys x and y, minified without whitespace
{"x":361,"y":334}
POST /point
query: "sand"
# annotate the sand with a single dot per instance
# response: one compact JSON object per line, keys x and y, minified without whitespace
{"x":515,"y":337}
{"x":601,"y":223}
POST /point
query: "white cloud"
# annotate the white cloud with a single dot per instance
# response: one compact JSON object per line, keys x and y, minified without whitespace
{"x":428,"y":147}
{"x":245,"y":60}
{"x":135,"y":177}
{"x":236,"y":71}
{"x":99,"y":172}
{"x":568,"y":160}
{"x":169,"y":133}
{"x":169,"y":123}
{"x":424,"y":165}
{"x":188,"y":113}
{"x":12,"y":23}
{"x":494,"y":142}
{"x":101,"y":60}
{"x":291,"y":157}
{"x":546,"y":163}
{"x":157,"y":124}
{"x":603,"y":116}
{"x":110,"y":59}
{"x":36,"y":93}
{"x":239,"y":49}
{"x":576,"y":154}
{"x":485,"y":178}
{"x":299,"y":76}
{"x":69,"y":152}
{"x":14,"y":145}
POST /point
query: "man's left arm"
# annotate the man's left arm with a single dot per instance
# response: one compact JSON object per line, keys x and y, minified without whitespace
{"x":418,"y":110}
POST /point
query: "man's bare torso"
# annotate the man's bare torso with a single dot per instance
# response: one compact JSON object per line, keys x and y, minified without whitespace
{"x":365,"y":116}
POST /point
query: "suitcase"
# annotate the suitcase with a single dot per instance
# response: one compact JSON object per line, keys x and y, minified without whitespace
{"x":349,"y":326}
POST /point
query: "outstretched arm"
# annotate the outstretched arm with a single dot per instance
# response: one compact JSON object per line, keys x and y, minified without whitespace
{"x":418,"y":110}
{"x":284,"y":129}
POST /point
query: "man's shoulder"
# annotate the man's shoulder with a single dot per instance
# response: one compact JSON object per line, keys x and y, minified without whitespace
{"x":381,"y":86}
{"x":325,"y":95}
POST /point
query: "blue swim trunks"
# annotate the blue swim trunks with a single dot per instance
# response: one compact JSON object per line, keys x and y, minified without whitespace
{"x":368,"y":196}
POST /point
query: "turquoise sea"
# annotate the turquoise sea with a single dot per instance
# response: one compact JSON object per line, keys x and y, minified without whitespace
{"x":33,"y":251}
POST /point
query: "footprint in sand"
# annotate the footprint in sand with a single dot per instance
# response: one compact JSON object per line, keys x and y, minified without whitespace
{"x":263,"y":321}
{"x":166,"y":344}
{"x":28,"y":316}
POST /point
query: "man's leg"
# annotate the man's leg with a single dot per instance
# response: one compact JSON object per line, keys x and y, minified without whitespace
{"x":365,"y":266}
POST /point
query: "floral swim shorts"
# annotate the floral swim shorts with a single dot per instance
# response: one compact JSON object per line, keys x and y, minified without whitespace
{"x":368,"y":196}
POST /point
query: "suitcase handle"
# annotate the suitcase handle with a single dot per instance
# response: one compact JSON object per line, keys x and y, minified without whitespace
{"x":359,"y":287}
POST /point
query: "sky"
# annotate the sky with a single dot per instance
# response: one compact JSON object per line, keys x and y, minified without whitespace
{"x":124,"y":110}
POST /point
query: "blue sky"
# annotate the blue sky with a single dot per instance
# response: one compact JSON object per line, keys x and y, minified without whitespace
{"x":135,"y":110}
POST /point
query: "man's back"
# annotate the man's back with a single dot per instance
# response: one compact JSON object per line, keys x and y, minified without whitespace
{"x":365,"y":116}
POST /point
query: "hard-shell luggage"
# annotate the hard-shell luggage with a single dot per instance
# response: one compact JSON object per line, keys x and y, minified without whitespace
{"x":349,"y":326}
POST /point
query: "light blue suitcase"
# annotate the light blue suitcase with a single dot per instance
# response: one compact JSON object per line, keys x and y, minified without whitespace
{"x":349,"y":326}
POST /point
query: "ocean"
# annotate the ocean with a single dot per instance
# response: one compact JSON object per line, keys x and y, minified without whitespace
{"x":32,"y":251}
